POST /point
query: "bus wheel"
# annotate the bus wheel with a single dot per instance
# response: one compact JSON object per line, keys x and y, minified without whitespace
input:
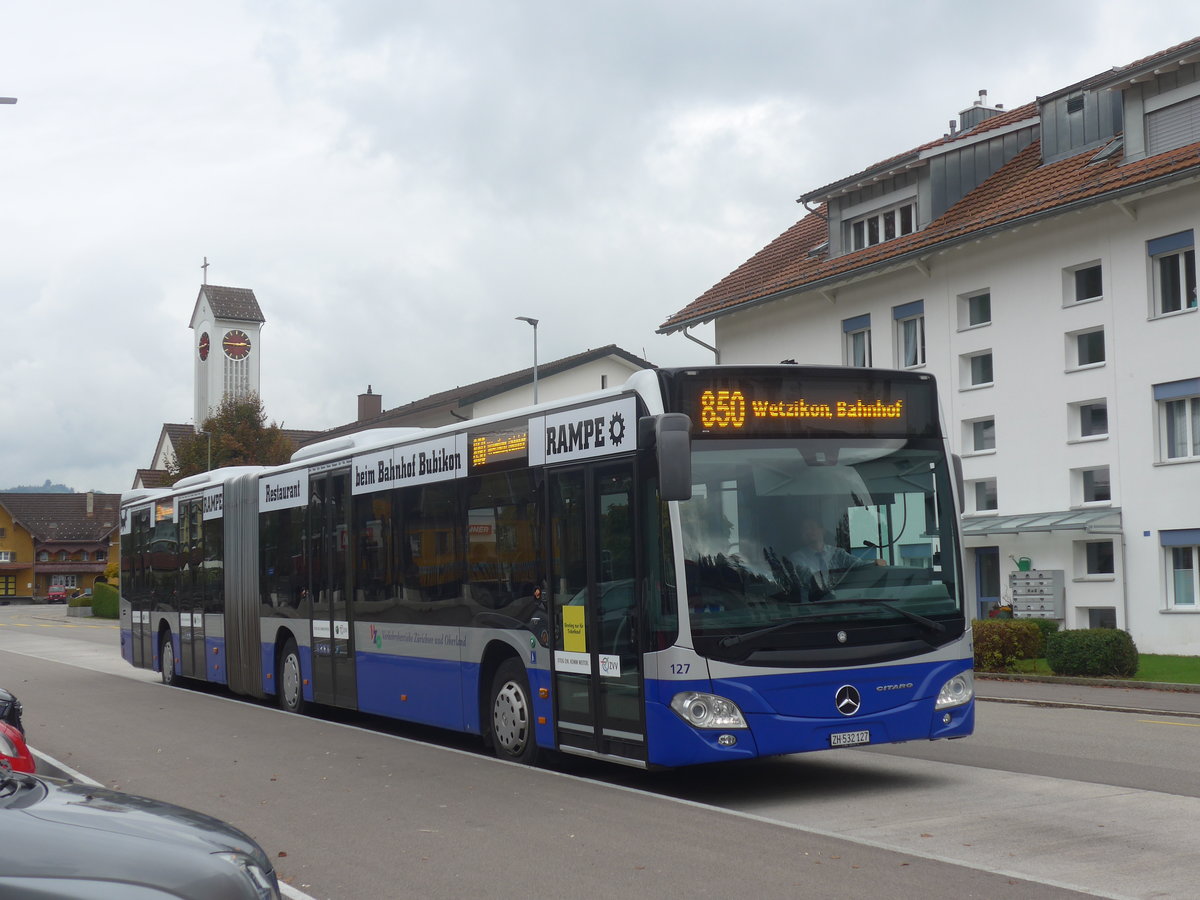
{"x":166,"y":656}
{"x":512,"y":714}
{"x":290,"y":688}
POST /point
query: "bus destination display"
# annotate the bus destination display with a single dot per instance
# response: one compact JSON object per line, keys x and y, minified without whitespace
{"x":492,"y":448}
{"x":753,"y":406}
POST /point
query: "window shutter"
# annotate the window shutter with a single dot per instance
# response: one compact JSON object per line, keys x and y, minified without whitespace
{"x":1174,"y":126}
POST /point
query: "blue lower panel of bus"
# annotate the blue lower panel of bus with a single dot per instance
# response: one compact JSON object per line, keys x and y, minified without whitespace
{"x":127,"y":646}
{"x":214,"y":655}
{"x":428,"y":691}
{"x":798,"y":713}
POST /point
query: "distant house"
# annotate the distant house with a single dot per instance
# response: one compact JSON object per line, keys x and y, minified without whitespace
{"x":173,"y":434}
{"x":55,"y":541}
{"x":592,"y":370}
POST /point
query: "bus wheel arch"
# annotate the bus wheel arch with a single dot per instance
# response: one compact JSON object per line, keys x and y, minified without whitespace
{"x":509,"y":715}
{"x":289,"y":674}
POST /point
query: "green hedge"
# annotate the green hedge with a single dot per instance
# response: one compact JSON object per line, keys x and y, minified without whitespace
{"x":1092,"y":652}
{"x":1047,"y":627}
{"x":999,"y":643}
{"x":81,"y":600}
{"x":104,"y":601}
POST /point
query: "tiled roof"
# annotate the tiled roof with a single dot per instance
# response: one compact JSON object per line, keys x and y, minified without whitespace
{"x":152,"y":478}
{"x":239,"y":304}
{"x":458,"y":397}
{"x":1020,"y":191}
{"x":178,"y":433}
{"x":300,"y":436}
{"x":64,"y":517}
{"x":1017,"y":114}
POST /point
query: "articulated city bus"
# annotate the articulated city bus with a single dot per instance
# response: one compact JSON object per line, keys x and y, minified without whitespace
{"x":704,"y":564}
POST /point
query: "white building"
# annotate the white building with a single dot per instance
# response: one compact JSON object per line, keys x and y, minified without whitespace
{"x":1040,"y":261}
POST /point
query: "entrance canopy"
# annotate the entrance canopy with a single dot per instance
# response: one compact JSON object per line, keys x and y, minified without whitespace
{"x":1090,"y":521}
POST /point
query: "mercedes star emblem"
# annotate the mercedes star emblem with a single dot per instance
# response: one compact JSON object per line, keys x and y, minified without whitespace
{"x":847,"y":700}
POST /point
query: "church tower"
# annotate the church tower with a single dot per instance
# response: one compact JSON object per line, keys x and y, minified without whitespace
{"x":227,"y":323}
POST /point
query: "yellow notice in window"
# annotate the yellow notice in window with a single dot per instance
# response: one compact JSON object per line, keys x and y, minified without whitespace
{"x":574,"y":634}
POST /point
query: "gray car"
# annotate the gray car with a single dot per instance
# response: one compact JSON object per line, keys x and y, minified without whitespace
{"x":66,"y":840}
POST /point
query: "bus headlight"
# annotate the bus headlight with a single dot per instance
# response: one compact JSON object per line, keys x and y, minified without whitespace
{"x":707,"y":710}
{"x":958,"y":690}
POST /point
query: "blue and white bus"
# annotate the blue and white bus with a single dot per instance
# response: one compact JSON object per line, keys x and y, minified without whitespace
{"x":704,"y":564}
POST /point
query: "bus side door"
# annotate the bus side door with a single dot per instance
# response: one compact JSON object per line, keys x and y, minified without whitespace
{"x":594,"y":576}
{"x":333,"y":664}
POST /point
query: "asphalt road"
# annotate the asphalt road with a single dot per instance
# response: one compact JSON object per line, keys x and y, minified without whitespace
{"x":350,"y":812}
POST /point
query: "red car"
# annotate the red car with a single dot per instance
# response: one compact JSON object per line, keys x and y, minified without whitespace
{"x":56,"y":594}
{"x":14,"y":750}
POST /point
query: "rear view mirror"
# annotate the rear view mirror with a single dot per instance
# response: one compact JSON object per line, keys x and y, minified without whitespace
{"x":673,"y":444}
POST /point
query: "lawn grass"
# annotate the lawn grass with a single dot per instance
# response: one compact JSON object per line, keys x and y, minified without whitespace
{"x":1151,"y":667}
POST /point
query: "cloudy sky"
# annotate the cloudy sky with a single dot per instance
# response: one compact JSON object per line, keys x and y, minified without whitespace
{"x":397,"y":180}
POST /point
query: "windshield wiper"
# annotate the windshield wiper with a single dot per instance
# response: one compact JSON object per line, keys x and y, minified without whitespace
{"x":927,"y":624}
{"x":736,"y":640}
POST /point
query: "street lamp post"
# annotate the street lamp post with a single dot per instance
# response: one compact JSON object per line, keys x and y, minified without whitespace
{"x":208,"y":434}
{"x":534,"y":323}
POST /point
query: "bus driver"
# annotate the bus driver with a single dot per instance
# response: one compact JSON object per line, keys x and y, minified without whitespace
{"x":819,"y":558}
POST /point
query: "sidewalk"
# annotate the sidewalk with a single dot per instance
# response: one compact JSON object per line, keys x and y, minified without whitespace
{"x":1090,"y":693}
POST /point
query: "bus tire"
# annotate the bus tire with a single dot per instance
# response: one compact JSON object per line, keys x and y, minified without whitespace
{"x":511,"y":712}
{"x":166,"y":659}
{"x":291,"y":683}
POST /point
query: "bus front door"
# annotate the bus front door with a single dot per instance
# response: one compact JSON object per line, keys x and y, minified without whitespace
{"x":597,"y":659}
{"x":333,"y":673}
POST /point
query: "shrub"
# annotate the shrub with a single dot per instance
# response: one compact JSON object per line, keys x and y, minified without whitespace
{"x":999,"y":643}
{"x":80,"y":600}
{"x":104,"y":601}
{"x":1046,"y":627}
{"x":1093,"y":652}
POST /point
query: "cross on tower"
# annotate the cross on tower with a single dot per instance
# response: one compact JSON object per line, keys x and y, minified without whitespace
{"x":205,"y":268}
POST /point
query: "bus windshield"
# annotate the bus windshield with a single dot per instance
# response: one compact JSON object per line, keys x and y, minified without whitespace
{"x":820,"y":552}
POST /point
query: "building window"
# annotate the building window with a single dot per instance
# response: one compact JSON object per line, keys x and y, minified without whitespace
{"x":3,"y":533}
{"x":976,"y":369}
{"x":979,"y":435}
{"x":8,"y":585}
{"x":910,"y":333}
{"x":857,"y":333}
{"x":1082,"y":284}
{"x":1173,"y":265}
{"x":1092,"y":485}
{"x":1178,"y":419}
{"x":1182,"y":550}
{"x":44,"y":556}
{"x":7,"y":556}
{"x":1094,"y":558}
{"x":1089,"y":419}
{"x":883,"y":226}
{"x":1085,"y":348}
{"x":101,"y":555}
{"x":984,"y":493}
{"x":974,"y":310}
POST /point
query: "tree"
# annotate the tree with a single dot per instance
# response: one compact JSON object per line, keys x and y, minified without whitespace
{"x":239,"y":437}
